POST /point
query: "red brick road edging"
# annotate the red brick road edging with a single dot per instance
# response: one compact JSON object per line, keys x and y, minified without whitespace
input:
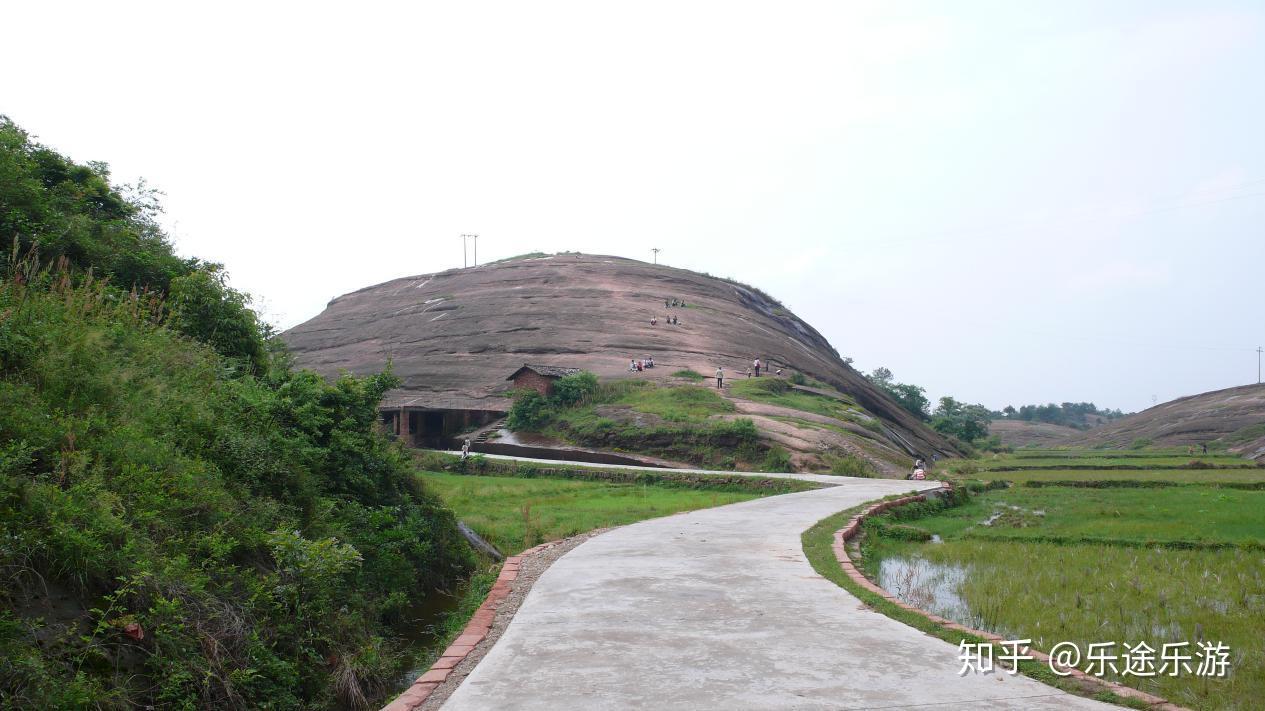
{"x":840,"y":548}
{"x":474,"y":632}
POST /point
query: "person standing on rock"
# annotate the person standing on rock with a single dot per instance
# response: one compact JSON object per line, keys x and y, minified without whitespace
{"x":757,"y":367}
{"x":720,"y":378}
{"x":465,"y":449}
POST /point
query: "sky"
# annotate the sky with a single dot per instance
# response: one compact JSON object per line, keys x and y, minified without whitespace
{"x":1005,"y":202}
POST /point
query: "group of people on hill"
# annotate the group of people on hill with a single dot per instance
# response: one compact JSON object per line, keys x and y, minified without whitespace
{"x":640,"y":365}
{"x":757,"y":364}
{"x":673,"y":303}
{"x":670,"y":320}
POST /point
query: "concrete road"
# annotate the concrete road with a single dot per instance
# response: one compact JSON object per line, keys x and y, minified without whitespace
{"x":719,"y":609}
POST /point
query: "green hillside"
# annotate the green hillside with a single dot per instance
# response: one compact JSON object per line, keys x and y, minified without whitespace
{"x":185,"y":520}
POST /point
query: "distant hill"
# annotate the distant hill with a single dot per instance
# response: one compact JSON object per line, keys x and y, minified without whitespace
{"x":1234,"y":417}
{"x":1020,"y":433}
{"x":455,"y":336}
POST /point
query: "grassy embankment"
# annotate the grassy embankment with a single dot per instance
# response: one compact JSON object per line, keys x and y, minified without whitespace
{"x":185,"y":520}
{"x":842,"y":409}
{"x":1119,"y":564}
{"x":682,"y":423}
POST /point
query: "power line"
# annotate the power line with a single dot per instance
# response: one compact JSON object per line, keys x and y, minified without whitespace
{"x":656,"y":251}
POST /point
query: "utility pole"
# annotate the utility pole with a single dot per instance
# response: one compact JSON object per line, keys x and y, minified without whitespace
{"x":465,"y":249}
{"x":1258,"y":365}
{"x":656,"y":251}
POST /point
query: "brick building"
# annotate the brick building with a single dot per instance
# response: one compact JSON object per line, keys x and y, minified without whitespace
{"x":539,"y":377}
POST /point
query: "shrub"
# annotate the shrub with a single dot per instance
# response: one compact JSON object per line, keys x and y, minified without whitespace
{"x":689,"y":375}
{"x":530,"y":411}
{"x":897,"y":531}
{"x":798,"y":379}
{"x":572,"y":389}
{"x":1141,"y":443}
{"x":252,"y":521}
{"x":777,"y":460}
{"x":850,"y":465}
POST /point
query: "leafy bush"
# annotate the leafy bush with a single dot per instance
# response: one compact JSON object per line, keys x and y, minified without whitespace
{"x":220,"y":531}
{"x":798,"y":379}
{"x":1141,"y":443}
{"x":529,"y":412}
{"x":689,"y":375}
{"x":572,"y":389}
{"x":777,"y":460}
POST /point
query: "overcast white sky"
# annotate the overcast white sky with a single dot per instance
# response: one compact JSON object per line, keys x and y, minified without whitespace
{"x":1010,"y":202}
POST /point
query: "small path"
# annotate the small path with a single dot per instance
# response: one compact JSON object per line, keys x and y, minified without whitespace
{"x":719,"y":609}
{"x":826,"y":479}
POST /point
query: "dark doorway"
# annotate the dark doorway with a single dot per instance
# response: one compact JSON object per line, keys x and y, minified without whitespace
{"x":432,"y":423}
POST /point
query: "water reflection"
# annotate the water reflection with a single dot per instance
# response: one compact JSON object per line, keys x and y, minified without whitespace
{"x":930,"y":586}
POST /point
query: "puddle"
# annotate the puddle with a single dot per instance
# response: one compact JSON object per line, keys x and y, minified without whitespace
{"x":930,"y":586}
{"x":527,"y":439}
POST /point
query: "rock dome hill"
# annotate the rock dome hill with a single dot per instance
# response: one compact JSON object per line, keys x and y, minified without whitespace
{"x":1234,"y":417}
{"x":454,"y":337}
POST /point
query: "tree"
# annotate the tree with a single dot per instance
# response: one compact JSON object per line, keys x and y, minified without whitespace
{"x":1010,"y":411}
{"x":881,"y":377}
{"x":966,"y":422}
{"x":913,"y":398}
{"x":205,"y":308}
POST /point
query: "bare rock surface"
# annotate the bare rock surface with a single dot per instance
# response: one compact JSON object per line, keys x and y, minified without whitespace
{"x":1234,"y":415}
{"x":1021,"y":433}
{"x":454,"y":336}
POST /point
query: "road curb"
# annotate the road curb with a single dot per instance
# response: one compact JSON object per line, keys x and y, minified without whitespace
{"x":473,"y":633}
{"x":853,"y":527}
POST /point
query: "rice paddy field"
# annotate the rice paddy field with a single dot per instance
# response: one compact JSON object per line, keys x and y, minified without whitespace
{"x":1026,"y":459}
{"x":1181,"y":561}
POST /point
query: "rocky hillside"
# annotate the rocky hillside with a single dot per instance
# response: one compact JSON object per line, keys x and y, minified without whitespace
{"x":1234,"y":417}
{"x":453,"y":337}
{"x":1021,"y":433}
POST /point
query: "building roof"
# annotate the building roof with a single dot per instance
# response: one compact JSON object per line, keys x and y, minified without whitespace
{"x":549,"y":371}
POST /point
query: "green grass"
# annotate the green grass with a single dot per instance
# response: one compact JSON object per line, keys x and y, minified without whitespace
{"x":689,"y":375}
{"x":686,"y":428}
{"x":514,"y":514}
{"x":1095,"y":593}
{"x":1181,"y":476}
{"x":776,"y":392}
{"x":1103,"y":565}
{"x":1188,"y":514}
{"x":1101,"y":461}
{"x":817,"y":543}
{"x":682,"y":403}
